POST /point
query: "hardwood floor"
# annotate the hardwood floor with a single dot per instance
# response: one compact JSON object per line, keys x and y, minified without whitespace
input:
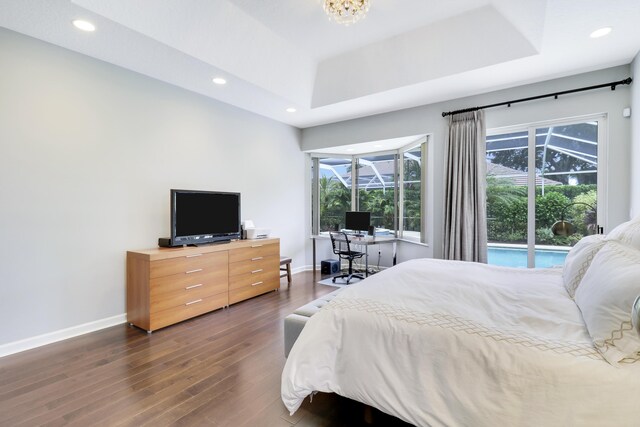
{"x":220,"y":369}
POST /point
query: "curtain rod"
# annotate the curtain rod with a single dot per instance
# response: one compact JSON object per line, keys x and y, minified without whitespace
{"x":612,"y":85}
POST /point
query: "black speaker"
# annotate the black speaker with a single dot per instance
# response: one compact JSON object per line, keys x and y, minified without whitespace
{"x":165,"y":242}
{"x":372,"y":230}
{"x":329,"y":266}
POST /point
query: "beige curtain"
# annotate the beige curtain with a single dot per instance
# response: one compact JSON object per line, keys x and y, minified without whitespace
{"x":465,"y":222}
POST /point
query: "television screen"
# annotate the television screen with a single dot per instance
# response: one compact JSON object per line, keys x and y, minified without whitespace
{"x":357,"y":221}
{"x":204,"y":216}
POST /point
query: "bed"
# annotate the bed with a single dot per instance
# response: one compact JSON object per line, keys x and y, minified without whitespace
{"x":450,"y":343}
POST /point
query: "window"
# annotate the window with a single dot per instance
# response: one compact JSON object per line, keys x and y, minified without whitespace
{"x":334,"y":191}
{"x":411,"y":218}
{"x":377,"y":189}
{"x":389,"y":184}
{"x":536,"y":177}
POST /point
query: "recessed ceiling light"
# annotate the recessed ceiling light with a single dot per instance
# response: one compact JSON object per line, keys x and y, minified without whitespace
{"x":349,"y":149}
{"x":291,"y":110}
{"x":601,"y":32}
{"x":219,"y":81}
{"x":83,"y":25}
{"x":378,"y":146}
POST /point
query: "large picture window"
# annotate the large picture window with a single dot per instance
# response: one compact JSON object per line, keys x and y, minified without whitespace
{"x":389,"y":184}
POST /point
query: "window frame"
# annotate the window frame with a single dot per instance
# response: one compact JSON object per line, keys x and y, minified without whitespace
{"x":422,"y":143}
{"x":398,"y":186}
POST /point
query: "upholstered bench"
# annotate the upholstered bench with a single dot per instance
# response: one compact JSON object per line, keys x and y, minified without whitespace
{"x":294,"y":323}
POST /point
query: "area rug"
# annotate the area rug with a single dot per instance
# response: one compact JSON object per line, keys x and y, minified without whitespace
{"x":339,"y":282}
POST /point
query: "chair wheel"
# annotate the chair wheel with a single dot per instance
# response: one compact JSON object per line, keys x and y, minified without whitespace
{"x":333,"y":280}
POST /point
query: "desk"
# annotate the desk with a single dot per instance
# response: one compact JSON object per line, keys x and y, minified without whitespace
{"x":365,"y":241}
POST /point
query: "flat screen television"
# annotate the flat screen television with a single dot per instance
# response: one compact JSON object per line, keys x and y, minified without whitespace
{"x":357,"y":221}
{"x":199,"y":217}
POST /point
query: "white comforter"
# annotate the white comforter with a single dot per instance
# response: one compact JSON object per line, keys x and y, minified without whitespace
{"x":445,"y":343}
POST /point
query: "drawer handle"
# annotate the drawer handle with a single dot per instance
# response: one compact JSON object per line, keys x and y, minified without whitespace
{"x":257,"y":283}
{"x":257,"y":258}
{"x":193,"y":256}
{"x":256,"y":271}
{"x":257,"y":246}
{"x":194,"y":302}
{"x":193,"y":286}
{"x":193,"y":271}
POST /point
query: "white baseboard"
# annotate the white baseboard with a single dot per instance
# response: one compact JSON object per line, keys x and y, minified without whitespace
{"x":63,"y":334}
{"x":301,"y":269}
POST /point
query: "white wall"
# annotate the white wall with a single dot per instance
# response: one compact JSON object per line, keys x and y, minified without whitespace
{"x":635,"y":138}
{"x":428,"y":120}
{"x":88,"y":154}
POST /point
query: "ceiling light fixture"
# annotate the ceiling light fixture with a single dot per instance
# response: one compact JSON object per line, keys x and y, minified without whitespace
{"x":219,"y":81}
{"x":601,"y":32}
{"x":83,"y":25}
{"x":291,"y":110}
{"x":346,"y":11}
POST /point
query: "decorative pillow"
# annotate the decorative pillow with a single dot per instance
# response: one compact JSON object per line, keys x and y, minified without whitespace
{"x":605,"y":298}
{"x":578,"y":261}
{"x":627,"y":233}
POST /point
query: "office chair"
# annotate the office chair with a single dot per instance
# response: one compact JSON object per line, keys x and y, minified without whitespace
{"x":337,"y":237}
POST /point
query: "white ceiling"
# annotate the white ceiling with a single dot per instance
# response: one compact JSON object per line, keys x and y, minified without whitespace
{"x":286,"y":53}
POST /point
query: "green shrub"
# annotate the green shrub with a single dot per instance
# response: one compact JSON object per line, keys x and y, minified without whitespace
{"x":507,"y":212}
{"x":549,"y":208}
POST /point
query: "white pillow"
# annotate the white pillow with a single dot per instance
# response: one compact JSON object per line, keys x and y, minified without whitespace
{"x":605,"y":298}
{"x":627,"y":233}
{"x":578,"y":261}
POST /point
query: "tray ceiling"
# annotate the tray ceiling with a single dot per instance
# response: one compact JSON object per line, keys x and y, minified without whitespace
{"x":286,"y":53}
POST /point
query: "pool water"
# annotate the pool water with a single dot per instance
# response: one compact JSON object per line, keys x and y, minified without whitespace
{"x":517,"y":257}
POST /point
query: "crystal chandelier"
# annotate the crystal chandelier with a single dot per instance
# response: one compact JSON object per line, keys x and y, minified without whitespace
{"x":346,"y":11}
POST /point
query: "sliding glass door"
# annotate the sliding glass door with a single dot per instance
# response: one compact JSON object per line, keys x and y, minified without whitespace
{"x":507,"y":200}
{"x":536,"y":177}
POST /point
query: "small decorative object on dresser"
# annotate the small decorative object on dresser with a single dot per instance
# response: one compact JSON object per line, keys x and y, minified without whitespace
{"x":169,"y":285}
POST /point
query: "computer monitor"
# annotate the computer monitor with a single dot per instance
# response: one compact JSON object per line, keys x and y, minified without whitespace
{"x":357,"y":221}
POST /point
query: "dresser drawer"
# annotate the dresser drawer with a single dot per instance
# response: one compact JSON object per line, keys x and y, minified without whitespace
{"x":181,"y":297}
{"x":188,"y":264}
{"x":254,"y":251}
{"x":239,"y":294}
{"x":177,"y":314}
{"x":249,"y":279}
{"x":183,"y":281}
{"x":254,"y":266}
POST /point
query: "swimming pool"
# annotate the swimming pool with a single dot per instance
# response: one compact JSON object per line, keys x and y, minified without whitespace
{"x":517,"y":257}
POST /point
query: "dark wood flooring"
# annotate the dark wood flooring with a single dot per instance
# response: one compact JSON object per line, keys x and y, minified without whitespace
{"x":220,"y":369}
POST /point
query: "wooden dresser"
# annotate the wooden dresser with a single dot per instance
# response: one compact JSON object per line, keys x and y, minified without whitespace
{"x":253,"y":270}
{"x":168,"y":285}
